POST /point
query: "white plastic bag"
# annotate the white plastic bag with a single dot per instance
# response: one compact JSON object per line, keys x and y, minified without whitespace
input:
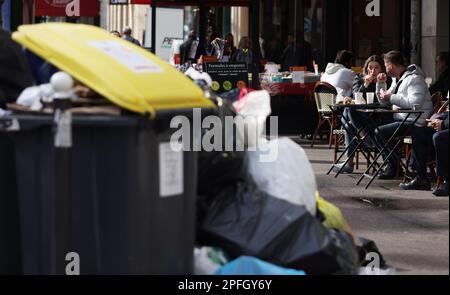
{"x":204,"y":264}
{"x":253,"y":109}
{"x":32,"y":95}
{"x":281,"y":168}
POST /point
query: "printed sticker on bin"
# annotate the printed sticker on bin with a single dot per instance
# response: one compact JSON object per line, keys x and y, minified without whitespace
{"x":129,"y":57}
{"x":170,"y":171}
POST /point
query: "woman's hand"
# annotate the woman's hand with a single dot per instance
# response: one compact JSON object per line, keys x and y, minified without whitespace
{"x":348,"y":100}
{"x":369,"y":80}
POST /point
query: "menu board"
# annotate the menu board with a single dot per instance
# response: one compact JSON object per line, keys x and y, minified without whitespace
{"x":227,"y":75}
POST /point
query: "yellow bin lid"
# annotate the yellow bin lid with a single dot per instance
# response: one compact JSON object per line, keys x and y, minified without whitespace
{"x":122,"y":72}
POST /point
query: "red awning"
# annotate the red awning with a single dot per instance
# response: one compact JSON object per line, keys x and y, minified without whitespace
{"x":65,"y":8}
{"x":194,"y":2}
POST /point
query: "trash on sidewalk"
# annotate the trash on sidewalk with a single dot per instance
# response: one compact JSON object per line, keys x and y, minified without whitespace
{"x":287,"y":174}
{"x":246,"y":265}
{"x":333,"y":217}
{"x":243,"y":220}
{"x":207,"y":260}
{"x":252,"y":109}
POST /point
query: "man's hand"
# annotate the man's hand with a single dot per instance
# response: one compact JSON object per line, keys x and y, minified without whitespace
{"x":384,"y":95}
{"x":436,"y":124}
{"x":381,"y":78}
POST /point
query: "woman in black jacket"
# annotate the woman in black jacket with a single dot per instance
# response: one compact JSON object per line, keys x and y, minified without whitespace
{"x":367,"y":81}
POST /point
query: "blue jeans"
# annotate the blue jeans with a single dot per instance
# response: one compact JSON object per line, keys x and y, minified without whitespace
{"x":356,"y":120}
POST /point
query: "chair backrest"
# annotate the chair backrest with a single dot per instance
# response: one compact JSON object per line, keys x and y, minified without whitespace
{"x":325,"y":95}
{"x":443,"y":108}
{"x":357,"y":70}
{"x":436,"y":99}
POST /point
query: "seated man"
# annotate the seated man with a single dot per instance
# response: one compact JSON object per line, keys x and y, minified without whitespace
{"x":434,"y":135}
{"x":440,"y":142}
{"x":441,"y":84}
{"x":409,"y":90}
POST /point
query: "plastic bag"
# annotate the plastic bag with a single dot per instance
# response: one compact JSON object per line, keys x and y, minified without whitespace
{"x":32,"y":95}
{"x":208,"y":260}
{"x":246,"y":265}
{"x":253,"y":109}
{"x":243,"y":220}
{"x":289,"y":175}
{"x":333,"y":215}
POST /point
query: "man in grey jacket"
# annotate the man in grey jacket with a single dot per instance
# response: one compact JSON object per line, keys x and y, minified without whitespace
{"x":409,"y":91}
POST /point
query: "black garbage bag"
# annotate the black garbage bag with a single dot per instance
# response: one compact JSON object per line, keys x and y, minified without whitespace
{"x":245,"y":221}
{"x":368,"y":246}
{"x":218,"y":169}
{"x":15,"y":74}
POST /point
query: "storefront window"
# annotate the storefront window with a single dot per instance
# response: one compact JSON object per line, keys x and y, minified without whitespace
{"x":313,"y":20}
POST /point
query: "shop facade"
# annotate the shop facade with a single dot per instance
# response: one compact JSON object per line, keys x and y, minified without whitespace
{"x":418,"y":28}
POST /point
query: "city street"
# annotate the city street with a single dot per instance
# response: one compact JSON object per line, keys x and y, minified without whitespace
{"x":410,"y":228}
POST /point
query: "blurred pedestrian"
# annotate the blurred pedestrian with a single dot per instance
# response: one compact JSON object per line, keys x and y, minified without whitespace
{"x":15,"y":73}
{"x":116,"y":33}
{"x":244,"y":53}
{"x":126,"y":34}
{"x":441,"y":84}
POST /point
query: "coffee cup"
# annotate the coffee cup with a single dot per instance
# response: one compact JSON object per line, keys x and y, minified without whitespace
{"x":359,"y":99}
{"x":370,"y":97}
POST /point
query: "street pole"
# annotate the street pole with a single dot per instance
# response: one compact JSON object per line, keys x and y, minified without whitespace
{"x":62,"y":119}
{"x":415,"y":31}
{"x":254,"y":13}
{"x":153,"y":7}
{"x":104,"y":11}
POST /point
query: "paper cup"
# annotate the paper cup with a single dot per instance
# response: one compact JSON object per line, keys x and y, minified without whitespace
{"x":359,"y":98}
{"x":370,"y":97}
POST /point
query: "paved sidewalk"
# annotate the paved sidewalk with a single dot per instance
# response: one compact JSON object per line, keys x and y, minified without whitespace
{"x":411,"y":228}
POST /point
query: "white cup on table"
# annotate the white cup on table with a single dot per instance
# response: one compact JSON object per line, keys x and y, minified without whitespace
{"x":370,"y":97}
{"x":359,"y":99}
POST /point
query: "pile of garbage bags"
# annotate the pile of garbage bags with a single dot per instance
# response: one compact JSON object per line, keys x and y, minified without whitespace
{"x":267,"y":216}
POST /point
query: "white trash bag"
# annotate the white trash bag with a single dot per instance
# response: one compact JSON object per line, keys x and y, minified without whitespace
{"x":252,"y":110}
{"x":281,"y":168}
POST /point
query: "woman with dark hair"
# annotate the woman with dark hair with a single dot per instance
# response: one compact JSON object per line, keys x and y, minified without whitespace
{"x":229,"y":48}
{"x":367,"y":82}
{"x":340,"y":75}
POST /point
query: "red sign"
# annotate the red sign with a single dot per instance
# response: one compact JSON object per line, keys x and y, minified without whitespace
{"x":72,"y":8}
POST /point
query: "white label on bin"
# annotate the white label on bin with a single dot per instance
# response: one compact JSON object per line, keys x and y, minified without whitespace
{"x":129,"y":57}
{"x":63,"y":135}
{"x":170,"y":171}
